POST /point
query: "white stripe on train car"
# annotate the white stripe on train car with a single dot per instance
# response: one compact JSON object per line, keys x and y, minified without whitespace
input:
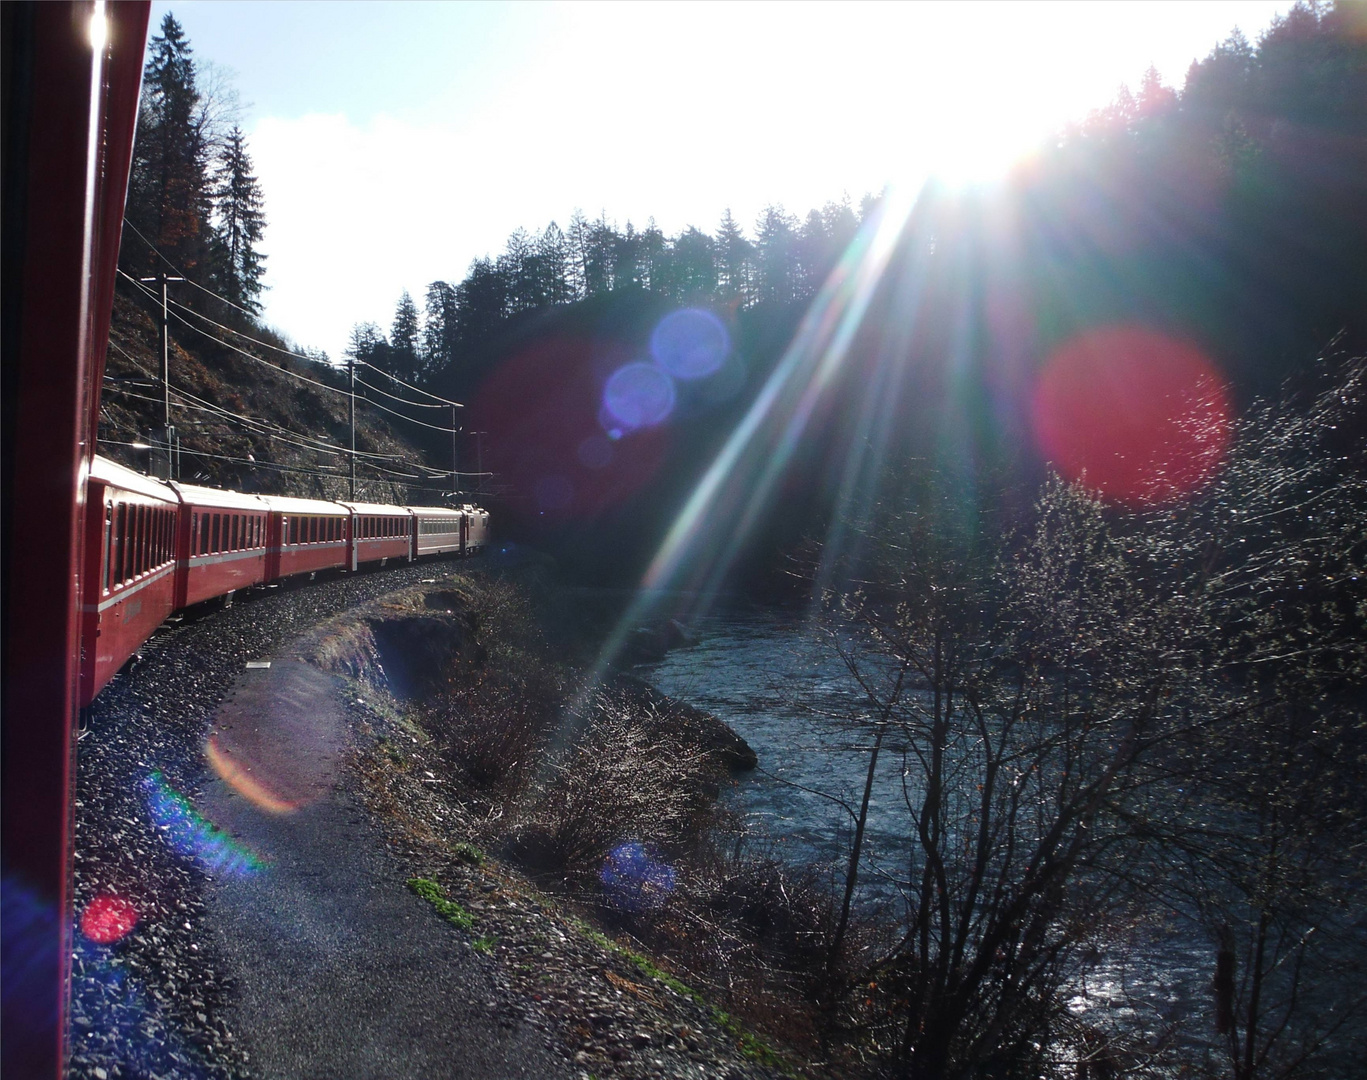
{"x":127,"y":591}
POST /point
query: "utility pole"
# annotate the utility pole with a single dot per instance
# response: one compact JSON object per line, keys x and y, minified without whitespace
{"x":479,"y":461}
{"x":455,"y":460}
{"x":168,"y":432}
{"x":352,"y":366}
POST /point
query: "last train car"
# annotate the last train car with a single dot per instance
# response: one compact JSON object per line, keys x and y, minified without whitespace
{"x":130,"y":581}
{"x":477,"y":529}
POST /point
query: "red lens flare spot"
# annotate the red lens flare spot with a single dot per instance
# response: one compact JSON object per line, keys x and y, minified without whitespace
{"x":1138,"y":417}
{"x":108,"y":918}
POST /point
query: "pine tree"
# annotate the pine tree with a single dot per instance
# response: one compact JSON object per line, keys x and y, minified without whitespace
{"x":241,"y":221}
{"x":438,"y":328}
{"x":169,"y":197}
{"x":553,"y":265}
{"x":403,"y":339}
{"x":694,"y":265}
{"x":733,"y":258}
{"x":600,"y":267}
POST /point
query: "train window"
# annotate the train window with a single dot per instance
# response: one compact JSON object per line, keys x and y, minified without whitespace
{"x":121,"y":544}
{"x":108,"y":545}
{"x":313,"y":530}
{"x":203,"y":534}
{"x":213,"y":536}
{"x":140,"y":536}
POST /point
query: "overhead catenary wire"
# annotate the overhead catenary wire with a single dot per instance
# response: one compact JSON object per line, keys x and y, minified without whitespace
{"x":259,"y":427}
{"x":285,"y":435}
{"x":303,"y":378}
{"x":416,"y":389}
{"x":437,"y":400}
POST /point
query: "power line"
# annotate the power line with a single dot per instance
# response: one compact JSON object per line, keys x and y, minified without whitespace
{"x":405,"y":401}
{"x":440,"y":402}
{"x":416,"y":389}
{"x":239,"y":333}
{"x":268,"y":430}
{"x":437,"y":398}
{"x":420,"y":423}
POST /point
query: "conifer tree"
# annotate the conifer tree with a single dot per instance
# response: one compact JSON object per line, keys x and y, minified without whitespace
{"x":169,"y":197}
{"x":438,"y":328}
{"x":404,"y":339}
{"x":241,"y":221}
{"x":733,"y":259}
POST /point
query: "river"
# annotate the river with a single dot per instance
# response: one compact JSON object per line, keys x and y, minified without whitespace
{"x":778,"y":683}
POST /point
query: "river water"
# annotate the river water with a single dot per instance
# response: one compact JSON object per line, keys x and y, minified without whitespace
{"x":778,"y":683}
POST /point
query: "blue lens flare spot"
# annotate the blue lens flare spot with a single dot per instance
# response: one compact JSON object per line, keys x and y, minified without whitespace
{"x":690,"y":344}
{"x":595,"y":452}
{"x":639,"y":395}
{"x":634,"y":880}
{"x":190,"y":835}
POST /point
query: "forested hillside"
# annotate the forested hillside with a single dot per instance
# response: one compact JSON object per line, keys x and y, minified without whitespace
{"x":1230,"y":213}
{"x":250,"y":410}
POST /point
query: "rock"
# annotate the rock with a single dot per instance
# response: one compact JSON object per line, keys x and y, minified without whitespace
{"x":682,"y":719}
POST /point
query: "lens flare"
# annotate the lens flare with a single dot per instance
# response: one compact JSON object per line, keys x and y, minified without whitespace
{"x":1134,"y":415}
{"x":108,"y":918}
{"x":545,"y":416}
{"x":595,"y":452}
{"x":639,"y":395}
{"x":239,"y":777}
{"x":634,"y":880}
{"x":690,"y":344}
{"x":190,"y":835}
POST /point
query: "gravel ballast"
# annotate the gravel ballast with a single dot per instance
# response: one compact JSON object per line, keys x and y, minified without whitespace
{"x":322,"y":961}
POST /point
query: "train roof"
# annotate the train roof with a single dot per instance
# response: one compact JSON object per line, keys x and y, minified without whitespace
{"x":379,"y":509}
{"x":289,"y":504}
{"x":438,"y":509}
{"x":120,"y":476}
{"x":194,"y":495}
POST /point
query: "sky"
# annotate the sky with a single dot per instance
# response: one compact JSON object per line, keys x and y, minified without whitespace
{"x":397,"y":142}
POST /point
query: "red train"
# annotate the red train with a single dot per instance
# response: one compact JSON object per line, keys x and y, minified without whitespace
{"x":153,"y":547}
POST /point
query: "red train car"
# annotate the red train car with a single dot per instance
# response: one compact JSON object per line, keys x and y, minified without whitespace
{"x":221,"y":543}
{"x":379,"y":533}
{"x":305,"y":535}
{"x":130,"y":580}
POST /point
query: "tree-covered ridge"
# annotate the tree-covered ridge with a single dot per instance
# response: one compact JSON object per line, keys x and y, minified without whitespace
{"x":1232,"y":208}
{"x":193,"y":195}
{"x":785,"y":263}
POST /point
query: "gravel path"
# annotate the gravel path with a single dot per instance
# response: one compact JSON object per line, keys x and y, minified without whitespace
{"x":287,"y":945}
{"x":321,"y":965}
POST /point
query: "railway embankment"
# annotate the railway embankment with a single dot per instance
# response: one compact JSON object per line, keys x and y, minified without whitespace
{"x":345,"y":861}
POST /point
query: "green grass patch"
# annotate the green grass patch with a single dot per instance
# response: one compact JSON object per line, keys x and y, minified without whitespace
{"x":485,"y":944}
{"x":468,"y":853}
{"x":447,"y":909}
{"x":751,"y":1045}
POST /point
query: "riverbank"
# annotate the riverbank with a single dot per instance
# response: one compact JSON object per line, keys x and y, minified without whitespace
{"x":565,"y":834}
